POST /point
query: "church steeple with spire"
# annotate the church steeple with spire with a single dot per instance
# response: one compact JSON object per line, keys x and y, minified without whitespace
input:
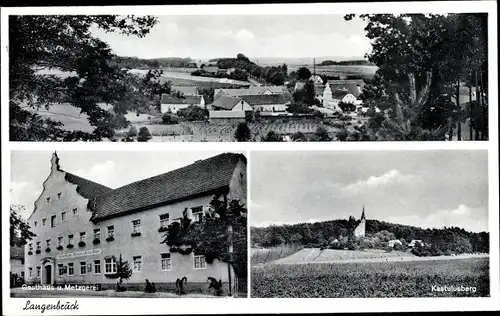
{"x":363,"y":213}
{"x":360,"y":229}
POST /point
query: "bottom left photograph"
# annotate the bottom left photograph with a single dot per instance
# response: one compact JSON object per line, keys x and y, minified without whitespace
{"x":128,"y":224}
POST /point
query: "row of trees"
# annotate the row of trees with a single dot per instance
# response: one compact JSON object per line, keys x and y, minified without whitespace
{"x":425,"y":61}
{"x":154,"y":63}
{"x":361,"y":62}
{"x":446,"y":240}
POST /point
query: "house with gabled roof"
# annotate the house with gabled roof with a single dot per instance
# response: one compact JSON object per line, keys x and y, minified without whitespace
{"x":82,"y":227}
{"x":253,"y":90}
{"x":173,"y":103}
{"x":267,"y":102}
{"x":185,"y":90}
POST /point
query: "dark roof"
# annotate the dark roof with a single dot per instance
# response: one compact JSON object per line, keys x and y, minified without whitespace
{"x":86,"y":188}
{"x":339,"y":94}
{"x":188,"y":99}
{"x":16,"y":252}
{"x":353,"y":85}
{"x":225,"y":102}
{"x":186,"y":90}
{"x":262,"y":99}
{"x":200,"y":177}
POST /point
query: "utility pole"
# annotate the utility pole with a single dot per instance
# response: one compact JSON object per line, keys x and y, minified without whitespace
{"x":314,"y":65}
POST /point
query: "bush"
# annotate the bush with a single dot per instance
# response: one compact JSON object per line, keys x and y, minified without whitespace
{"x":299,"y":137}
{"x":242,"y":133}
{"x":271,"y":136}
{"x":321,"y":135}
{"x":342,"y":134}
{"x":144,"y":134}
{"x":169,"y":119}
{"x":193,"y":113}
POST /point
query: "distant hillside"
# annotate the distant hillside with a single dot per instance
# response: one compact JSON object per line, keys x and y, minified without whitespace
{"x":138,"y":63}
{"x":361,"y":62}
{"x":447,"y":240}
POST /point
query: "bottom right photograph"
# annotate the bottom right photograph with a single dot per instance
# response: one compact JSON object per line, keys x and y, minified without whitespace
{"x":369,"y":224}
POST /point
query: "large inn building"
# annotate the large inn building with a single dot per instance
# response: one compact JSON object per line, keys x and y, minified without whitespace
{"x":82,"y":227}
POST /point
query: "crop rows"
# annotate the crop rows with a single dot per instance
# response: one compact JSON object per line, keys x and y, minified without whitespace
{"x":374,"y":279}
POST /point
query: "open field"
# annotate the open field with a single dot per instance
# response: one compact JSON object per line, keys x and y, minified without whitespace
{"x":339,"y":70}
{"x":372,"y":279}
{"x":185,"y":78}
{"x":264,"y":255}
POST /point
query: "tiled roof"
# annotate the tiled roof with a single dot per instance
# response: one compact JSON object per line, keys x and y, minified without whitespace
{"x":86,"y":188}
{"x":16,"y":252}
{"x":262,"y":99}
{"x":186,"y":90}
{"x":188,"y":99}
{"x":225,"y":102}
{"x":200,"y":177}
{"x":339,"y":94}
{"x":251,"y":90}
{"x":355,"y":86}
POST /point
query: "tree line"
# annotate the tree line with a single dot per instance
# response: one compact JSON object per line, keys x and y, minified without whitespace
{"x":154,"y":63}
{"x":361,"y":62}
{"x":339,"y":234}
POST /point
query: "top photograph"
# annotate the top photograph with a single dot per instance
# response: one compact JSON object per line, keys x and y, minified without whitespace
{"x":248,"y":78}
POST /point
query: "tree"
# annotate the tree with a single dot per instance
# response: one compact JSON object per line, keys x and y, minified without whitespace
{"x":271,"y":137}
{"x":20,"y":230}
{"x":38,"y":44}
{"x":299,"y":137}
{"x":144,"y":134}
{"x":123,"y":271}
{"x":418,"y":75}
{"x":193,"y":113}
{"x":322,"y":135}
{"x":309,"y":94}
{"x":242,"y":133}
{"x":303,"y":73}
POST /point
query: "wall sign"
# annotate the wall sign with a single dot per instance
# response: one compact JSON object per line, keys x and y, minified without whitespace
{"x":79,"y":254}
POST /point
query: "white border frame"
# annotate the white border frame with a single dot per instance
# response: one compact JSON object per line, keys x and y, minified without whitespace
{"x":156,"y":306}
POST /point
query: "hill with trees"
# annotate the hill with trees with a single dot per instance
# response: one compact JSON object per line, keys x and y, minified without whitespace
{"x":154,"y":63}
{"x":339,"y":234}
{"x":361,"y":62}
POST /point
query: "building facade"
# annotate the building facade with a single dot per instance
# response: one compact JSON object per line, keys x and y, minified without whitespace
{"x":83,"y":227}
{"x":172,"y":104}
{"x":17,"y":261}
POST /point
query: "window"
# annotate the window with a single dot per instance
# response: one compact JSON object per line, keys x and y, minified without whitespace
{"x":61,"y":269}
{"x":82,"y":236}
{"x":97,"y":266}
{"x":38,"y":245}
{"x":59,"y":195}
{"x":38,"y":270}
{"x":199,"y":262}
{"x":48,"y":200}
{"x":197,"y":213}
{"x":110,"y":265}
{"x":59,"y":241}
{"x":137,"y":263}
{"x":70,"y":239}
{"x":71,"y":268}
{"x":22,"y":274}
{"x":136,"y":226}
{"x":111,"y":231}
{"x":30,"y":247}
{"x":166,"y":262}
{"x":164,"y":220}
{"x":53,"y":221}
{"x":35,"y":224}
{"x":83,"y":268}
{"x":97,"y":234}
{"x":63,"y":216}
{"x":75,"y":211}
{"x":48,"y":243}
{"x":30,"y":272}
{"x":44,"y":221}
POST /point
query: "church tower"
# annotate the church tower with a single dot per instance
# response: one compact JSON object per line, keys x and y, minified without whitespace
{"x":360,"y":230}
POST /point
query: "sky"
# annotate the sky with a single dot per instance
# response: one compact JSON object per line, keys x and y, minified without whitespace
{"x":29,"y":169}
{"x":210,"y":36}
{"x":428,"y":189}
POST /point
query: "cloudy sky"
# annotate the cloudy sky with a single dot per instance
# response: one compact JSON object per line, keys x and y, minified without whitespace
{"x":113,"y":169}
{"x":426,"y":189}
{"x":212,"y":36}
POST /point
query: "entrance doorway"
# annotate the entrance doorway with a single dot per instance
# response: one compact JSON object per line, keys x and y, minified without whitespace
{"x":48,"y":274}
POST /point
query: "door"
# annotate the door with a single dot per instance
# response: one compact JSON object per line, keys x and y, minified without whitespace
{"x":48,"y":274}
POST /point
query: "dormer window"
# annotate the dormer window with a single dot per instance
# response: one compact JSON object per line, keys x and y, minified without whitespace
{"x":59,"y":195}
{"x":35,"y":224}
{"x":48,"y":200}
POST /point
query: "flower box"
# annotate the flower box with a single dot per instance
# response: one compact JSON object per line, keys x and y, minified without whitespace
{"x":96,"y":241}
{"x":30,"y":253}
{"x":47,"y":250}
{"x":38,"y":251}
{"x":81,"y":244}
{"x":162,"y":229}
{"x":110,"y":239}
{"x":135,"y":234}
{"x":69,"y":246}
{"x":60,"y":248}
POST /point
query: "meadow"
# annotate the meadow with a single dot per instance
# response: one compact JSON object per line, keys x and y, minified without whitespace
{"x":339,"y":70}
{"x":265,"y":255}
{"x":372,"y":279}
